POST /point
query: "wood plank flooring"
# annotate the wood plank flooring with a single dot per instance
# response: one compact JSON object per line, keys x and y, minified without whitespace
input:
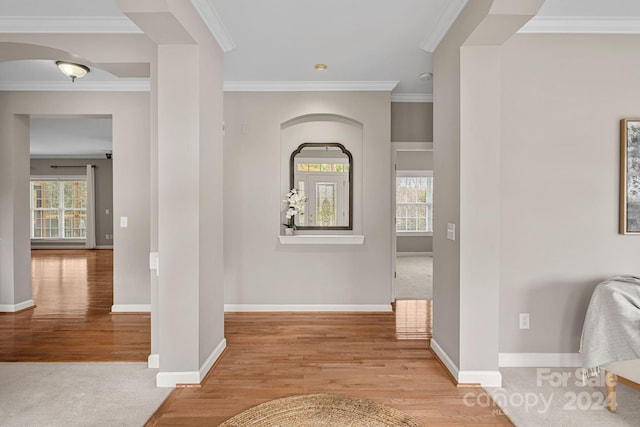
{"x":73,"y":291}
{"x":275,"y":355}
{"x":268,"y":355}
{"x":414,"y":319}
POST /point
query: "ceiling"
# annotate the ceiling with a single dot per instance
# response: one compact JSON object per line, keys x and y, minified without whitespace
{"x":79,"y":137}
{"x":274,"y":44}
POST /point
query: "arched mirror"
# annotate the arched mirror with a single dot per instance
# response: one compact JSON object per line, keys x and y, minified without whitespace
{"x":323,"y":172}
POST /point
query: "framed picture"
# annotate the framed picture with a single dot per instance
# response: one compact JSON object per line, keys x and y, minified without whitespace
{"x":630,"y":176}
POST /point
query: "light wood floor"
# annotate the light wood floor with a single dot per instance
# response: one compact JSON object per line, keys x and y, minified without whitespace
{"x":276,"y":355}
{"x":374,"y":356}
{"x":73,"y":291}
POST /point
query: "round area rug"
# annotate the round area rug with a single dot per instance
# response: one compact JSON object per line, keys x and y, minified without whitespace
{"x":331,"y":410}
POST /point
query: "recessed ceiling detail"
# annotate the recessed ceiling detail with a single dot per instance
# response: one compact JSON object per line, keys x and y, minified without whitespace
{"x":581,"y":25}
{"x":309,"y":86}
{"x":68,"y":25}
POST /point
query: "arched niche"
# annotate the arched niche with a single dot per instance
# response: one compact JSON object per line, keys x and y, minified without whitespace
{"x":337,"y":176}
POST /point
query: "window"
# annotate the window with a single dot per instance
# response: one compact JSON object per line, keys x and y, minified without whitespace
{"x":58,"y":208}
{"x":414,"y":199}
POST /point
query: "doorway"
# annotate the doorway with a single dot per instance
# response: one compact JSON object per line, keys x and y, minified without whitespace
{"x":412,"y":254}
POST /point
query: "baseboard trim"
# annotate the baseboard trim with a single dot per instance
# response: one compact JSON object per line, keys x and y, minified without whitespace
{"x":12,"y":308}
{"x":131,"y":308}
{"x":213,"y":357}
{"x":153,"y":361}
{"x":104,"y":247}
{"x":483,"y":378}
{"x":414,"y":253}
{"x":539,"y":360}
{"x":445,"y":359}
{"x":261,"y":308}
{"x":173,"y":379}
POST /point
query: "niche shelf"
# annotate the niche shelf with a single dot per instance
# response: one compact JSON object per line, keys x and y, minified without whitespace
{"x":322,"y":239}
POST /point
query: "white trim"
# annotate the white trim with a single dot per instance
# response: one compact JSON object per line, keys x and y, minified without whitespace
{"x":171,"y":379}
{"x":581,"y":25}
{"x":447,"y":17}
{"x":411,"y":97}
{"x":414,"y":234}
{"x":37,"y":244}
{"x":401,"y":254}
{"x":153,"y":361}
{"x":264,"y":308}
{"x":317,"y":239}
{"x":215,"y":355}
{"x":444,"y":358}
{"x":215,"y":25}
{"x":104,"y":247}
{"x":539,"y":360}
{"x":308,"y":86}
{"x":409,"y":173}
{"x":68,"y":25}
{"x":484,"y":378}
{"x":131,"y":308}
{"x":139,"y":85}
{"x":412,"y":146}
{"x":12,"y":308}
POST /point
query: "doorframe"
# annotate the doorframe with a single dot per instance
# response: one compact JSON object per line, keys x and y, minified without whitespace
{"x":395,"y":148}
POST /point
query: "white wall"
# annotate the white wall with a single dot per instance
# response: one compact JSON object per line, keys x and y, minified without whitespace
{"x":258,"y":270}
{"x":563,"y":97}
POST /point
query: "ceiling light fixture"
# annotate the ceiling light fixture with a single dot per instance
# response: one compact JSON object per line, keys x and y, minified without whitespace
{"x":425,"y":76}
{"x":73,"y":70}
{"x":321,"y":67}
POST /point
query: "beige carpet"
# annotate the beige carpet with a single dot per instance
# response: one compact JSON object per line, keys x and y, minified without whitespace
{"x":556,"y":397}
{"x":414,"y":277}
{"x":330,"y":410}
{"x":78,"y":394}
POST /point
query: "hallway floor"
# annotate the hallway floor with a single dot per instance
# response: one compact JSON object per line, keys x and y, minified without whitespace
{"x":72,"y":320}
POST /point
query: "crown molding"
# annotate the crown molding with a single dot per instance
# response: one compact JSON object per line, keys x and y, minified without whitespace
{"x":581,"y":25}
{"x":308,"y":86}
{"x":447,"y":17}
{"x":214,"y":24}
{"x":411,"y":97}
{"x":143,"y":85}
{"x":68,"y":25}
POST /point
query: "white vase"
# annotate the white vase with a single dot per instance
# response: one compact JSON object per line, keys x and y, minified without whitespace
{"x":289,"y":231}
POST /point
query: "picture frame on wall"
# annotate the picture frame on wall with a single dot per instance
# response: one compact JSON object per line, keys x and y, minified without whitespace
{"x":630,"y":176}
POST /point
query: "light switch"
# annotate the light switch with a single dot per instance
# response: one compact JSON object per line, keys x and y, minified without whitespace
{"x":106,"y":211}
{"x":154,"y":262}
{"x":451,"y":231}
{"x":124,"y":221}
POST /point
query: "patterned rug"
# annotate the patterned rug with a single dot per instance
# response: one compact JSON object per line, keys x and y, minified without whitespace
{"x":331,"y":410}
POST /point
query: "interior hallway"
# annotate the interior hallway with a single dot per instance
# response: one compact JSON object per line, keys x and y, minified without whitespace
{"x":384,"y":357}
{"x":72,"y":320}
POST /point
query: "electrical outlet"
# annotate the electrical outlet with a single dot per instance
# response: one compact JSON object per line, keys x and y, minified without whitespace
{"x":524,"y":320}
{"x":124,"y":221}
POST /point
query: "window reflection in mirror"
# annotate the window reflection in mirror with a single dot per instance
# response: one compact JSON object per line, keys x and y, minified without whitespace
{"x":323,"y":173}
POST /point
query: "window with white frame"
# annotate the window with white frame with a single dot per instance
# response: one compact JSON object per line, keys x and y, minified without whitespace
{"x":58,"y":208}
{"x":414,"y":202}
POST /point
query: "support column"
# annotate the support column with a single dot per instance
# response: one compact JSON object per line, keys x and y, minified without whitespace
{"x":15,"y":244}
{"x":178,"y":204}
{"x":188,"y":306}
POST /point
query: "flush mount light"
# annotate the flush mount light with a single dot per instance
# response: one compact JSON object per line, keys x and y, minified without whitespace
{"x":425,"y":76}
{"x":75,"y":71}
{"x":321,"y":67}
